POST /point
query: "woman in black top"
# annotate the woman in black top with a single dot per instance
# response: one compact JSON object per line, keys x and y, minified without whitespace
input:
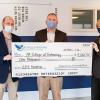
{"x":96,"y":67}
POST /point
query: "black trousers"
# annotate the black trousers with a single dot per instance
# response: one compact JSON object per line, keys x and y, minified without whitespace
{"x":95,"y":88}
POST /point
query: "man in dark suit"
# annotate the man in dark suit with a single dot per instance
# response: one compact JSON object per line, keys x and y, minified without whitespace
{"x":50,"y":34}
{"x":96,"y":67}
{"x":6,"y":80}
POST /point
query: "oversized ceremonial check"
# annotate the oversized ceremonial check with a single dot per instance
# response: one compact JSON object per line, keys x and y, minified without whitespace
{"x":51,"y":59}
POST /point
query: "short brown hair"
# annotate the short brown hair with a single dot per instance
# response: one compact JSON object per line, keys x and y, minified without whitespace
{"x":98,"y":23}
{"x":52,"y":14}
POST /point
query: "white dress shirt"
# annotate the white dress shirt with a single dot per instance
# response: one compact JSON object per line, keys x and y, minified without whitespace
{"x":50,"y":36}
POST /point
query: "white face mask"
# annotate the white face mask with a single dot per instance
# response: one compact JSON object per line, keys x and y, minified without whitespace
{"x":8,"y":29}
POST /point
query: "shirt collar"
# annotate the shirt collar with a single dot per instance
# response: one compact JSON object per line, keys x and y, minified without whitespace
{"x":52,"y":31}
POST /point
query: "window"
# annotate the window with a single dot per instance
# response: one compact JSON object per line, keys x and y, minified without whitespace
{"x":83,"y":19}
{"x":98,"y":14}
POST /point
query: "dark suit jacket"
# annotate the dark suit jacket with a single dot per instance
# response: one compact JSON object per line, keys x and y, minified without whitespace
{"x":41,"y":36}
{"x":4,"y":65}
{"x":96,"y":60}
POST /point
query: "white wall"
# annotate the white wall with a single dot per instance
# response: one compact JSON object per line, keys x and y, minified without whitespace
{"x":39,"y":9}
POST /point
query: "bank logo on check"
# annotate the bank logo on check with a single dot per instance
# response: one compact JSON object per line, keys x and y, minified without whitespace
{"x":19,"y":47}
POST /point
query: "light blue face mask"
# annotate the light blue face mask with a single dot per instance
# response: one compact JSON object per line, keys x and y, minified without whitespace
{"x":51,"y":24}
{"x":8,"y":29}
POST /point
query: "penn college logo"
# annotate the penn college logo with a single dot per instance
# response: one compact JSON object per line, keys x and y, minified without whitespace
{"x":19,"y":47}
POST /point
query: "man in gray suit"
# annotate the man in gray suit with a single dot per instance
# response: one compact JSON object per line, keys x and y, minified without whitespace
{"x":50,"y":34}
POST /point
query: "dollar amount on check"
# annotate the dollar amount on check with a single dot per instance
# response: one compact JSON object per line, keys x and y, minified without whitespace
{"x":51,"y":59}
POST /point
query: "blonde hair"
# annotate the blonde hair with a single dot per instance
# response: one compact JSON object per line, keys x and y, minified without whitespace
{"x":7,"y":17}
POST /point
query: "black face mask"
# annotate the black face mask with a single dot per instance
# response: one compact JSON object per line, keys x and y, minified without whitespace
{"x":98,"y":30}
